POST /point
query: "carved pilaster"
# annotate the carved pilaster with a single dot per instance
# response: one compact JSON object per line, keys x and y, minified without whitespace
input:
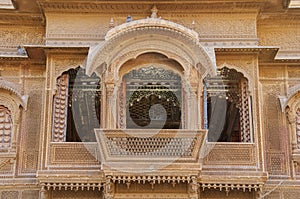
{"x":193,"y":188}
{"x":110,"y":106}
{"x":108,"y":188}
{"x":297,"y":134}
{"x":291,"y":119}
{"x":44,"y":193}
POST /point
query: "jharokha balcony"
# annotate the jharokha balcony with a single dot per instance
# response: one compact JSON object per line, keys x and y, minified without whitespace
{"x":150,"y":150}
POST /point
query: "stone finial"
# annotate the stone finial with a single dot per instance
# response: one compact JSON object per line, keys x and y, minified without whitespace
{"x":129,"y":18}
{"x":193,"y":25}
{"x":111,"y":23}
{"x":154,"y":11}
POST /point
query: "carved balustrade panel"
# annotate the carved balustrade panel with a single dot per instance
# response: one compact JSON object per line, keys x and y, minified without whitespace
{"x":69,"y":153}
{"x":150,"y":144}
{"x":239,"y":154}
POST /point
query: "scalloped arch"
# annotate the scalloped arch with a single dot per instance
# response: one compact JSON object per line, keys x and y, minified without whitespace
{"x":12,"y":88}
{"x":239,"y":70}
{"x":129,"y":40}
{"x":292,"y":97}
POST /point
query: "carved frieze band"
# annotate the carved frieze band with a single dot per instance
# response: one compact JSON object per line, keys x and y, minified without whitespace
{"x":72,"y":185}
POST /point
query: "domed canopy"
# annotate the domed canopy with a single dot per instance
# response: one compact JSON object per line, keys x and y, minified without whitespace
{"x":131,"y":39}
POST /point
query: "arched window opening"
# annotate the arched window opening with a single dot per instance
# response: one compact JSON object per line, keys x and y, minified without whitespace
{"x":298,"y":127}
{"x":5,"y":128}
{"x":228,"y":109}
{"x":76,"y":107}
{"x":153,"y":99}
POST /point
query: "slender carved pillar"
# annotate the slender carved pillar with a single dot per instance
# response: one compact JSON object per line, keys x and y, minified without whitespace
{"x":110,"y":106}
{"x":14,"y":134}
{"x":44,"y":193}
{"x":291,"y":117}
{"x":108,"y":188}
{"x":194,"y":188}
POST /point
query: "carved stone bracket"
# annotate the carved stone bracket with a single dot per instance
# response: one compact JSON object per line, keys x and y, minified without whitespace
{"x":229,"y":187}
{"x":75,"y":186}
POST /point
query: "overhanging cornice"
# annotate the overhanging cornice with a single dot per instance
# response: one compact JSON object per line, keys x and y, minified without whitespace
{"x":265,"y":53}
{"x":184,"y":6}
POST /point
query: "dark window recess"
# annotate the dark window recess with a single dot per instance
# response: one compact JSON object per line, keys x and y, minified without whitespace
{"x":83,"y":114}
{"x":224,"y":104}
{"x":153,"y":99}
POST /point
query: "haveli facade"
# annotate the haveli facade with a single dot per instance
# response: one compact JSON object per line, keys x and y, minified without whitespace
{"x":149,"y":99}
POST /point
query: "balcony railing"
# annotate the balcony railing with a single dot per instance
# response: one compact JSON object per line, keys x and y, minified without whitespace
{"x":135,"y":147}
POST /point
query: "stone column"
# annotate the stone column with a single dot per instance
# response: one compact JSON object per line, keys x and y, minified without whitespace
{"x":110,"y":106}
{"x":108,"y":188}
{"x":43,"y":193}
{"x":16,"y":128}
{"x":291,"y":117}
{"x":193,"y":188}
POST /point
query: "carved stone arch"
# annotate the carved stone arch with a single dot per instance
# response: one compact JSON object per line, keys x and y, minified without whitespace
{"x":292,"y":110}
{"x":156,"y":35}
{"x":11,"y":88}
{"x":243,"y":72}
{"x":288,"y":99}
{"x":14,"y":102}
{"x":60,"y":71}
{"x":236,"y":94}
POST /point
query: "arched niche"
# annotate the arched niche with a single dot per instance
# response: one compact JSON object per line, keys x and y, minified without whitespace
{"x":166,"y":39}
{"x":292,"y":110}
{"x":228,"y":107}
{"x":154,"y":82}
{"x":11,"y":99}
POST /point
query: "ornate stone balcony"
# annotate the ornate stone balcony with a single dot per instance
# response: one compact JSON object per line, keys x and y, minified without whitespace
{"x":145,"y":150}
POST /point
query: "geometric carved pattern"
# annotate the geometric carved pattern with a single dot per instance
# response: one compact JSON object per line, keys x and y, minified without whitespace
{"x":60,"y":108}
{"x":76,"y":194}
{"x":6,"y":166}
{"x":275,"y":163}
{"x":245,"y":114}
{"x":5,"y":128}
{"x":298,"y":127}
{"x":151,"y":146}
{"x":166,"y":143}
{"x":30,"y":194}
{"x":9,"y":195}
{"x":230,"y":154}
{"x":73,"y":153}
{"x":30,"y":159}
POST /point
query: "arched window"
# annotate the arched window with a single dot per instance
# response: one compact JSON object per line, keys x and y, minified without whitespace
{"x":292,"y":110}
{"x":5,"y":128}
{"x":76,"y":108}
{"x":153,"y":98}
{"x":298,"y":127}
{"x":228,"y":107}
